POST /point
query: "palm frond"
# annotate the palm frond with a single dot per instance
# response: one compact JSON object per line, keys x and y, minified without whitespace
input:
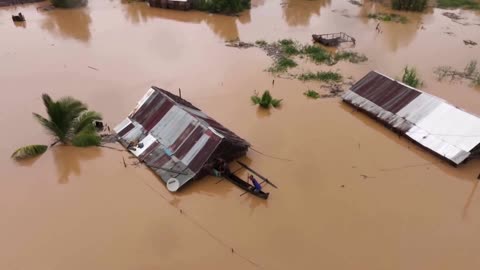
{"x":29,"y":151}
{"x":276,"y":102}
{"x":85,"y":139}
{"x":51,"y":127}
{"x":85,"y":121}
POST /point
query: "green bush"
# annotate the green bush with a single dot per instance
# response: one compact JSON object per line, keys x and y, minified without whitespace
{"x":411,"y":77}
{"x":411,"y":5}
{"x":312,"y":94}
{"x":222,"y":6}
{"x":69,"y":3}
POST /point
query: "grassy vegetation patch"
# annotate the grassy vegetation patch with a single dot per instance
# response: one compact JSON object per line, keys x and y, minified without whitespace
{"x":352,"y":57}
{"x":323,"y":76}
{"x":467,"y":4}
{"x":317,"y":54}
{"x":312,"y":94}
{"x":282,"y":64}
{"x":388,"y":17}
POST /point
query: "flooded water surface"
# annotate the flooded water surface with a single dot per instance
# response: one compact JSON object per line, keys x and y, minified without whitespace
{"x":352,"y":195}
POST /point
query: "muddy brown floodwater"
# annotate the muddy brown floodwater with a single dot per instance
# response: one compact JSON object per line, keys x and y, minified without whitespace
{"x":81,"y":209}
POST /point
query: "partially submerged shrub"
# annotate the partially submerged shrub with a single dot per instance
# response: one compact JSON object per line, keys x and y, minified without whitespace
{"x":29,"y":151}
{"x":471,"y":68}
{"x":222,"y":6}
{"x":411,"y":77}
{"x":266,"y":100}
{"x":312,"y":94}
{"x":323,"y":76}
{"x":411,"y":5}
{"x":69,"y":3}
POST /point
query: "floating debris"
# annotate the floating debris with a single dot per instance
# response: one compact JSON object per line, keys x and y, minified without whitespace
{"x":452,"y":15}
{"x":470,"y":42}
{"x":355,"y":2}
{"x":333,"y":39}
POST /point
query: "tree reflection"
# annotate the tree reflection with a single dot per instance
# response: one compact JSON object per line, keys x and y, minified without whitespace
{"x":299,"y":12}
{"x":224,"y":27}
{"x":71,"y":23}
{"x":68,"y":160}
{"x":395,"y":35}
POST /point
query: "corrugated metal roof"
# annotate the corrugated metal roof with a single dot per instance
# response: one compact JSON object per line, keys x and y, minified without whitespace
{"x":176,"y":138}
{"x":432,"y":122}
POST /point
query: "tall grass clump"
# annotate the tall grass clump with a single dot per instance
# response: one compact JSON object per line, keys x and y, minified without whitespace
{"x":410,"y":77}
{"x":323,"y":76}
{"x":410,"y":5}
{"x":266,"y":100}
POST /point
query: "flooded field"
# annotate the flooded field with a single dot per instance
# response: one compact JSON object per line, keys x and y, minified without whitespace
{"x":352,"y":195}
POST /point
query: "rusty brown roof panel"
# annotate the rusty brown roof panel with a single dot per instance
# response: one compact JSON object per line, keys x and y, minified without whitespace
{"x":384,"y":92}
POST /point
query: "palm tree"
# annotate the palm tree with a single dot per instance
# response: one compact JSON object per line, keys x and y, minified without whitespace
{"x":69,"y":121}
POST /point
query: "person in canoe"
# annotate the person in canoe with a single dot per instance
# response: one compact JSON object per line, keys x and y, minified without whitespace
{"x":256,"y":185}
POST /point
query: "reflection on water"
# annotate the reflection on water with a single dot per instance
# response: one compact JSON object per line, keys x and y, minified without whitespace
{"x":71,"y":23}
{"x":223,"y":26}
{"x":299,"y":12}
{"x":396,"y":35}
{"x":20,"y":24}
{"x":68,"y":160}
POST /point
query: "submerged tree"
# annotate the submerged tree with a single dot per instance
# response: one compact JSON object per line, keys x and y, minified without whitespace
{"x":69,"y":121}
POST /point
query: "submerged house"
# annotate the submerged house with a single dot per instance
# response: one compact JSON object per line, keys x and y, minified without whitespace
{"x":172,"y":4}
{"x":176,"y":139}
{"x":438,"y":126}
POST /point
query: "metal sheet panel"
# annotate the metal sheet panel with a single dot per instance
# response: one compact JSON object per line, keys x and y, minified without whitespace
{"x":429,"y":120}
{"x":171,"y":126}
{"x":178,"y":139}
{"x":453,"y":126}
{"x":385,"y":92}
